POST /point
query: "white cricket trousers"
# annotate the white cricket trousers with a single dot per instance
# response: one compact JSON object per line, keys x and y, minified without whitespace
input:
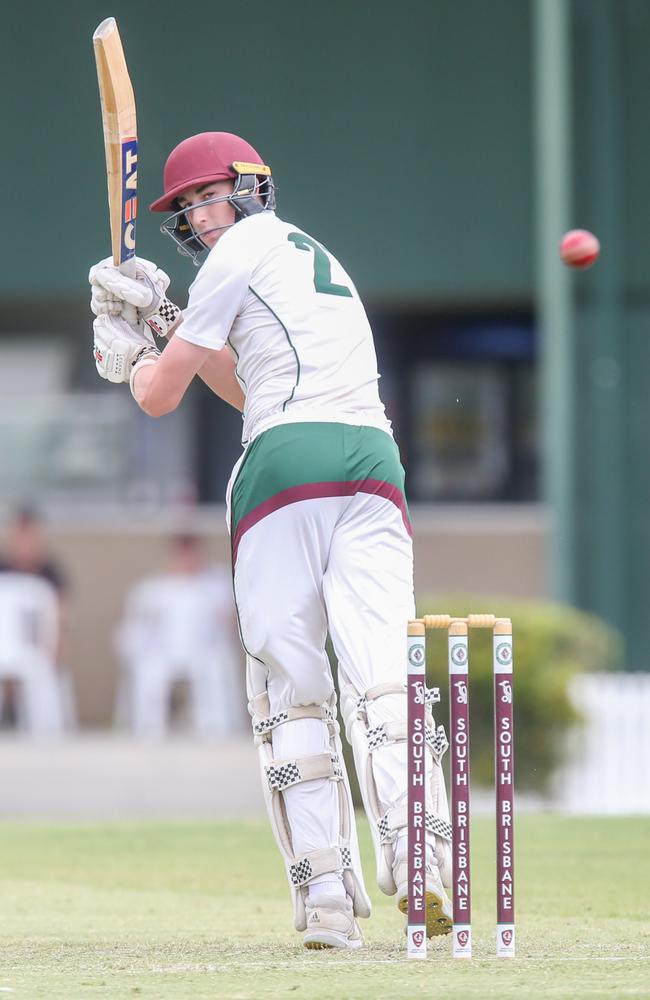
{"x":321,"y":542}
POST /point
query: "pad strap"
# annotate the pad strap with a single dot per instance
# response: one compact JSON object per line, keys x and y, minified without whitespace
{"x":378,"y":692}
{"x":283,"y":774}
{"x":436,"y":740}
{"x":396,"y":819}
{"x":265,"y":725}
{"x":395,"y":732}
{"x":310,"y":866}
{"x":387,"y":732}
{"x":431,"y":695}
{"x":441,"y":828}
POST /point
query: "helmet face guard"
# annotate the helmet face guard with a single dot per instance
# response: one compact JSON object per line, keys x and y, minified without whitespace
{"x":253,"y":192}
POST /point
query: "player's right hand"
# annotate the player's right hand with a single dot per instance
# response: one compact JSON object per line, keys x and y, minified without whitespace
{"x":118,"y":346}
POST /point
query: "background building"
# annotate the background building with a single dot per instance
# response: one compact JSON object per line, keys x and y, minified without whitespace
{"x":440,"y":154}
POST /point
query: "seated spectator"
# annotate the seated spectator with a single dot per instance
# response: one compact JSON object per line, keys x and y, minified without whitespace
{"x":180,"y":626}
{"x":26,"y":549}
{"x":42,"y":602}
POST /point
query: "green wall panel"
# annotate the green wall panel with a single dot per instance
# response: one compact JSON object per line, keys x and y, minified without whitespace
{"x":399,"y":136}
{"x":611,"y":404}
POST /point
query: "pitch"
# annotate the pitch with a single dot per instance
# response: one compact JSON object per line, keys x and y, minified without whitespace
{"x":200,"y":910}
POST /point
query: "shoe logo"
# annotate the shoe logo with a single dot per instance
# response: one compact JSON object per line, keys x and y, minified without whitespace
{"x":314,"y":918}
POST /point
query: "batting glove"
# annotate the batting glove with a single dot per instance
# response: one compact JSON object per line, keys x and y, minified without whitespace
{"x":119,"y":346}
{"x":134,"y":299}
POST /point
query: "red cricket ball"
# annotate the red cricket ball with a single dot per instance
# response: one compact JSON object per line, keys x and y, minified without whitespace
{"x":579,"y":248}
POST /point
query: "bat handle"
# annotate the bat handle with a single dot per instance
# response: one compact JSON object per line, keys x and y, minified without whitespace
{"x":129,"y":312}
{"x":127,"y":266}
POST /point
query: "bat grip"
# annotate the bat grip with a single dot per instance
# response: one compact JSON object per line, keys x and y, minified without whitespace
{"x":129,"y":312}
{"x":127,"y":267}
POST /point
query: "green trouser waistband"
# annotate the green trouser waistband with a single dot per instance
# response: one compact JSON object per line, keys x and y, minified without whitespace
{"x":305,"y":461}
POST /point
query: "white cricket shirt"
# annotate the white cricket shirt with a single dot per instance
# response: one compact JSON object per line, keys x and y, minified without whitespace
{"x":294,"y":322}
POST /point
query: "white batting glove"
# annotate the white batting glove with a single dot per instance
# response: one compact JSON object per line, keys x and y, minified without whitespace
{"x":119,"y":346}
{"x":139,"y":298}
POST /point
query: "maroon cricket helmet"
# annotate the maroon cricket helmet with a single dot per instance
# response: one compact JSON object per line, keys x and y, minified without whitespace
{"x":206,"y":157}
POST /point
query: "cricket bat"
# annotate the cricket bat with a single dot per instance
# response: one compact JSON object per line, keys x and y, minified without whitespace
{"x":120,"y":142}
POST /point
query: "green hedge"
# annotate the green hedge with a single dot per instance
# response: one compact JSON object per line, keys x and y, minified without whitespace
{"x":551,"y":644}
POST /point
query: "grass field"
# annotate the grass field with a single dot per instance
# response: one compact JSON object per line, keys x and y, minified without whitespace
{"x":200,"y":910}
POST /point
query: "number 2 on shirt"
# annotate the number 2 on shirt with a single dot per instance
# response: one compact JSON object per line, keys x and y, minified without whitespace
{"x":322,"y":266}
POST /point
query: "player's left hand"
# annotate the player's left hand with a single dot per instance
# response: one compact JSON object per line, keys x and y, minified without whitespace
{"x":118,"y":346}
{"x":144,"y":291}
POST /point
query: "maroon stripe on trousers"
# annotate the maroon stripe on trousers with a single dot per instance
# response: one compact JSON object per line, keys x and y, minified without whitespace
{"x":317,"y":491}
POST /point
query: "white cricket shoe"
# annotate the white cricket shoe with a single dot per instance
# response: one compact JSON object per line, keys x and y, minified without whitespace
{"x":331,"y":924}
{"x":439,"y":911}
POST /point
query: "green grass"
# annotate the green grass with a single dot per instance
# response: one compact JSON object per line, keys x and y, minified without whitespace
{"x":173,"y":911}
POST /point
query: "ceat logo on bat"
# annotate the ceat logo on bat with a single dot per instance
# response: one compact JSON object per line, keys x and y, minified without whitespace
{"x":506,"y":937}
{"x":129,"y":196}
{"x":463,"y":938}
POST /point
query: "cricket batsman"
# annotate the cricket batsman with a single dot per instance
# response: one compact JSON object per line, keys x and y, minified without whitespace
{"x":321,"y":539}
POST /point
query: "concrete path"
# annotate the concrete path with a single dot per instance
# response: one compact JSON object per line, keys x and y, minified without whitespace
{"x":104,"y":776}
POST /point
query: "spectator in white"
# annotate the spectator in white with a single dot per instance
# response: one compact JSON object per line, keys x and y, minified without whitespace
{"x":180,"y":625}
{"x":26,"y":552}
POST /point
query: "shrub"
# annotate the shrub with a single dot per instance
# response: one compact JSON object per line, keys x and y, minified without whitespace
{"x":551,"y":644}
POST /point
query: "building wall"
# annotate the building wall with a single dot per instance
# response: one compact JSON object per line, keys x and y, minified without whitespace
{"x":403,"y":141}
{"x":373,"y":123}
{"x":611,"y":350}
{"x":488,"y":552}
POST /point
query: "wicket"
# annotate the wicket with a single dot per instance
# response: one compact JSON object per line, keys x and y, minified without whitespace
{"x":459,"y":739}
